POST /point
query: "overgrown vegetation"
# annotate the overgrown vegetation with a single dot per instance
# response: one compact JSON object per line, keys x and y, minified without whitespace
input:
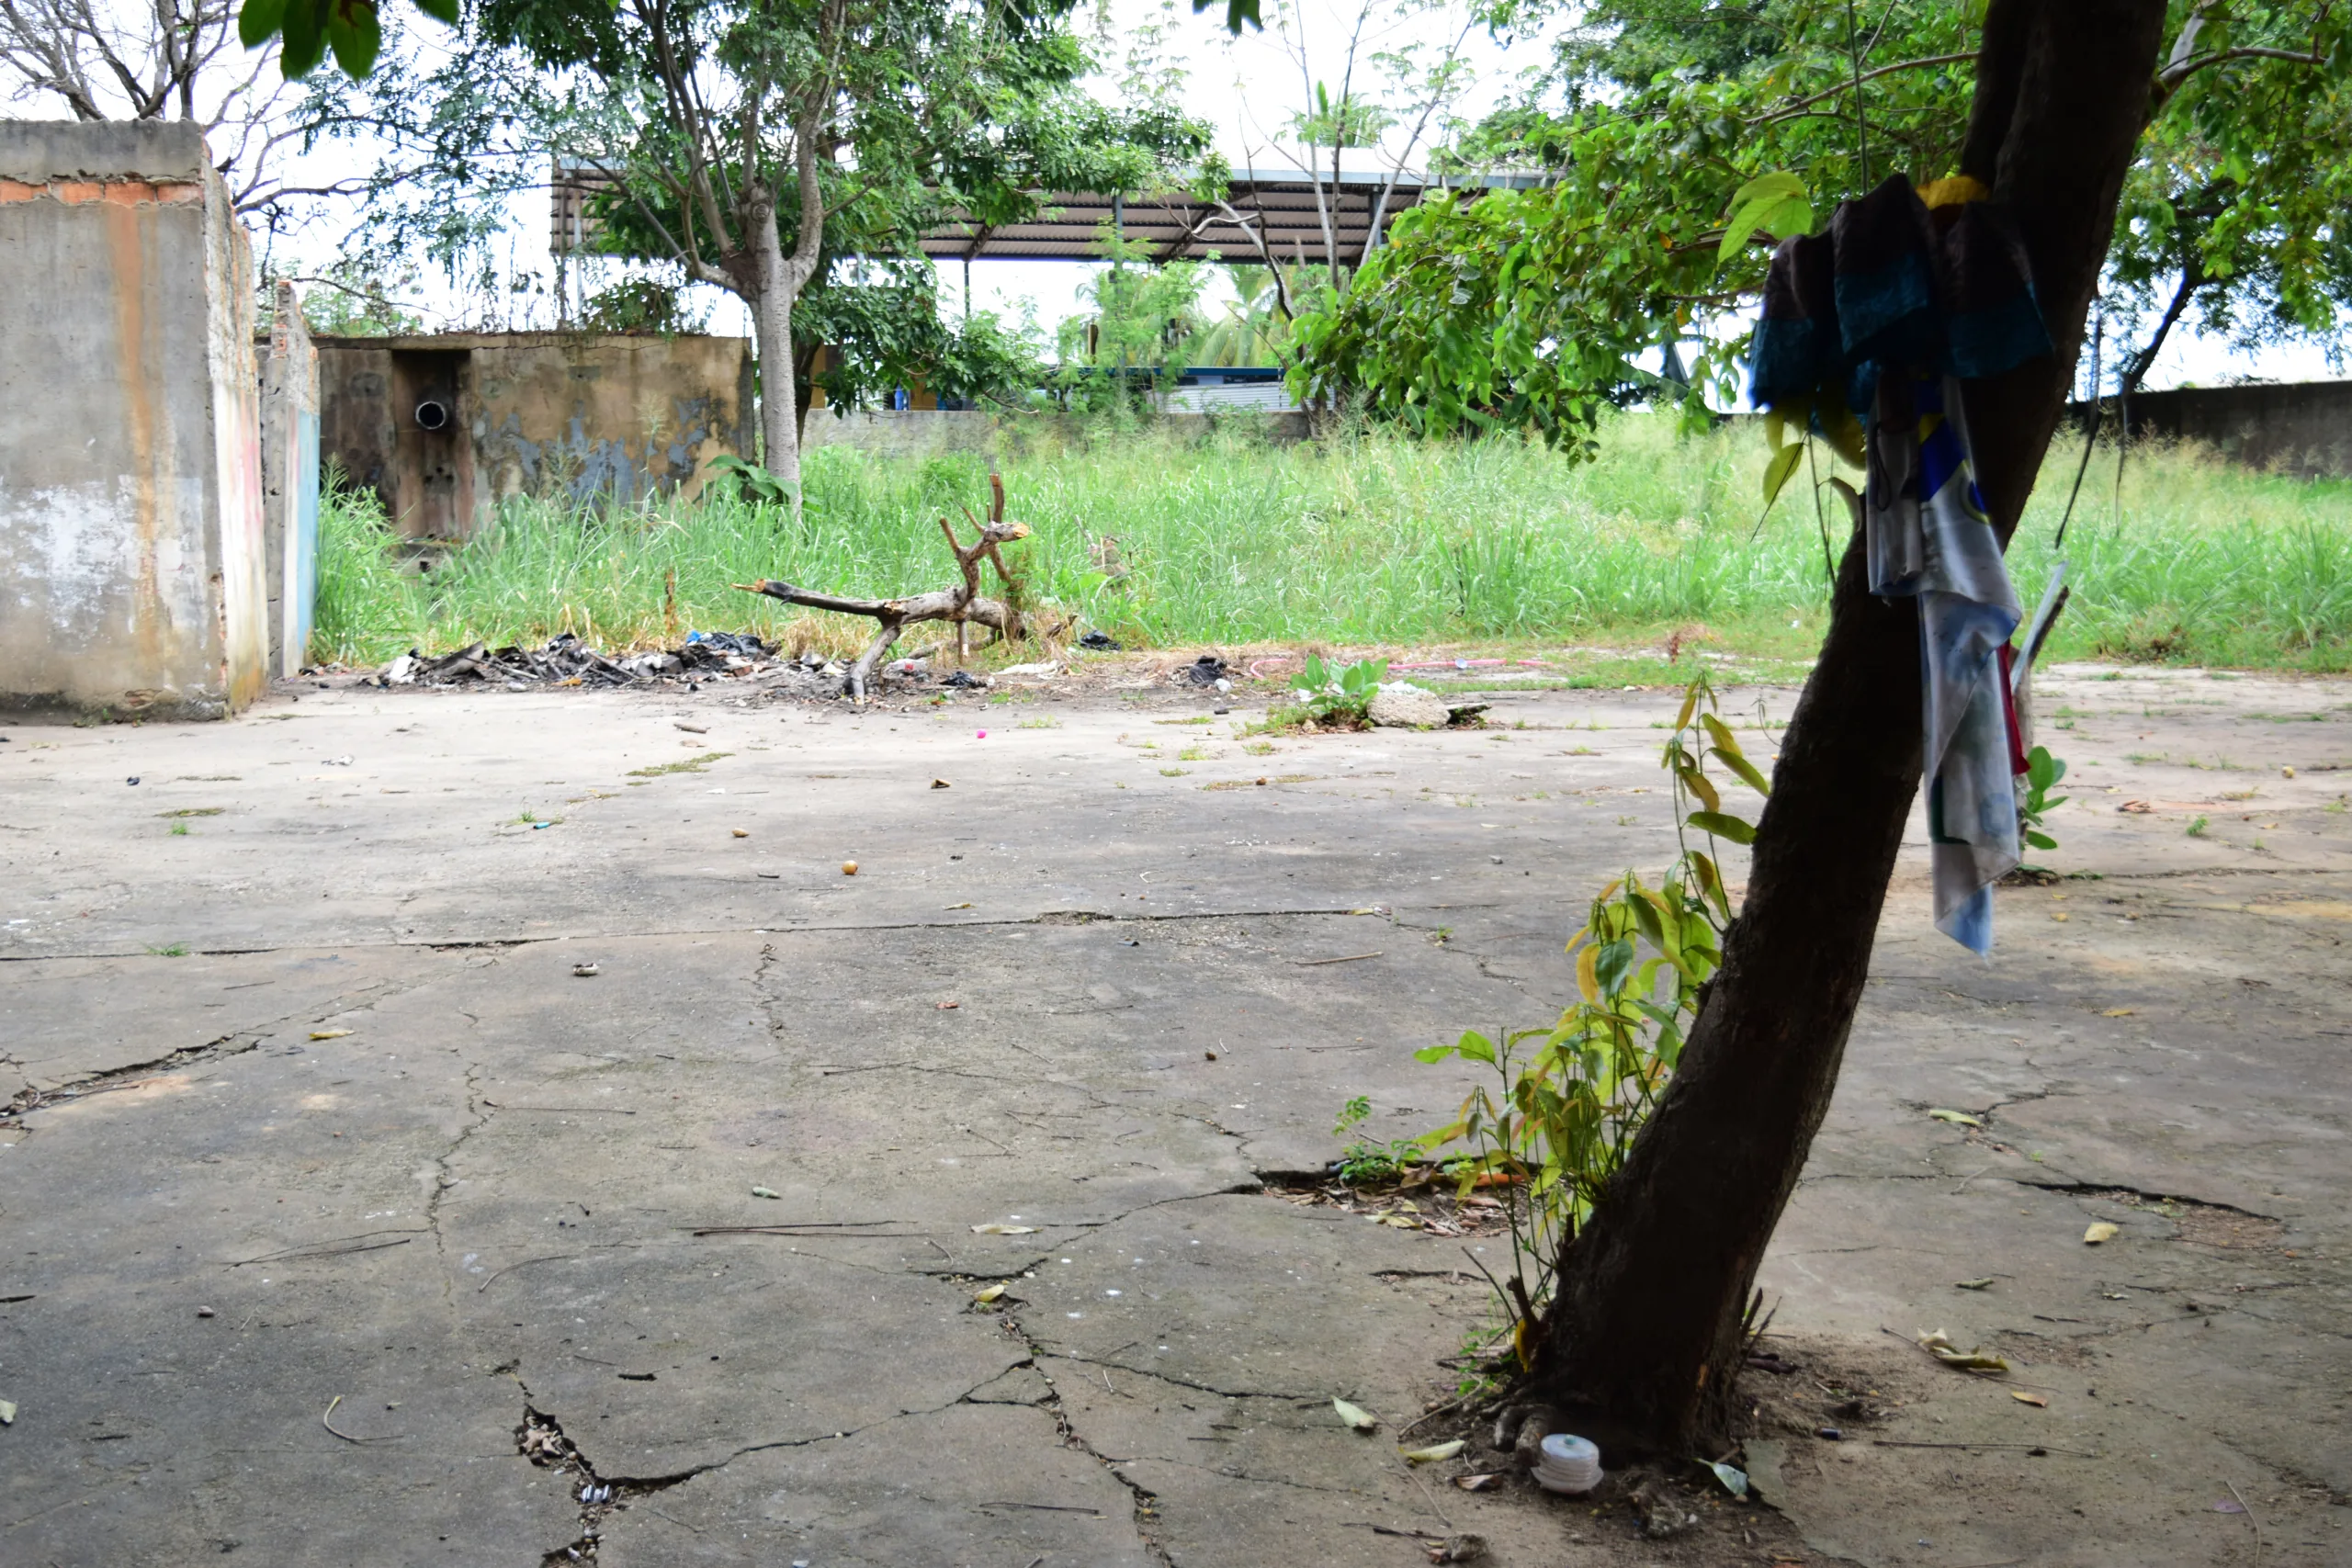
{"x":1367,"y":539}
{"x":1566,"y":1100}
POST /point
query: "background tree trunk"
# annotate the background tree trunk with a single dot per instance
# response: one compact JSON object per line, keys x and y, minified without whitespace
{"x":1643,"y":1339}
{"x":772,"y":325}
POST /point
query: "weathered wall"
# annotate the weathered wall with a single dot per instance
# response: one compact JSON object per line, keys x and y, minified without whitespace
{"x":929,"y":433}
{"x":132,"y":576}
{"x":2302,"y":428}
{"x":597,"y":419}
{"x":289,"y":480}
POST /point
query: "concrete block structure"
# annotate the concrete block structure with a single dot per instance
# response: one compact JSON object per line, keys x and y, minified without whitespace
{"x":131,"y":572}
{"x":289,"y":480}
{"x":444,"y":427}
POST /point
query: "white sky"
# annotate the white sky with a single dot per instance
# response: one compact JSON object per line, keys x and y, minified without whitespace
{"x":1248,"y":87}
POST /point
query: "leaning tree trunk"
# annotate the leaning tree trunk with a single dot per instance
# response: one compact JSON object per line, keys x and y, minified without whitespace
{"x":1643,"y":1339}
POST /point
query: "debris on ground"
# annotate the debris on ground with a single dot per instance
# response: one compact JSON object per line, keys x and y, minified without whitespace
{"x":960,"y":604}
{"x":1099,"y":642}
{"x":1208,"y":670}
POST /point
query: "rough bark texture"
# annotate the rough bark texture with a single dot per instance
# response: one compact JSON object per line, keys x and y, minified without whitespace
{"x":1643,"y":1345}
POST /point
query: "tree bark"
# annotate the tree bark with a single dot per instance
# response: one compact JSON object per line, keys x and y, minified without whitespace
{"x":781,"y":278}
{"x":1641,"y":1346}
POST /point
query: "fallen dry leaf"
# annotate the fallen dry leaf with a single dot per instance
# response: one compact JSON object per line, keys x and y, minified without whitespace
{"x":1938,"y":1345}
{"x":993,"y":1229}
{"x":2022,"y":1397}
{"x":1984,"y":1284}
{"x":329,"y":1034}
{"x":1435,"y":1452}
{"x":2119,"y":1013}
{"x":1356,"y":1416}
{"x":1479,"y":1483}
{"x":1958,"y":1118}
{"x":992,"y":1293}
{"x":2100,"y":1232}
{"x":2136,"y":808}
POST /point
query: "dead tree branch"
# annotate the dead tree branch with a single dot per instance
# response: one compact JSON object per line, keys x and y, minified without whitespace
{"x":960,"y":604}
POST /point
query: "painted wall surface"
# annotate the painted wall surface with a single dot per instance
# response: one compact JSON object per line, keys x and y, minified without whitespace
{"x":289,"y":469}
{"x":131,"y":577}
{"x":594,"y":419}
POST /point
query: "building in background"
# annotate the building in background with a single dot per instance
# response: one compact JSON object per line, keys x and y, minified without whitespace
{"x":442,"y":428}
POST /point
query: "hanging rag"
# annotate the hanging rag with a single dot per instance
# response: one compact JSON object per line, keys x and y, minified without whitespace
{"x":1883,"y":315}
{"x":1928,"y":538}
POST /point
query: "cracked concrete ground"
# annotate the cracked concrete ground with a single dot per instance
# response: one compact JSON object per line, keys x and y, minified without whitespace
{"x":334,"y":1195}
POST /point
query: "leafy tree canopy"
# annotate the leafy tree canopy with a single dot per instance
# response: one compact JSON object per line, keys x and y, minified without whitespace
{"x":1676,"y":170}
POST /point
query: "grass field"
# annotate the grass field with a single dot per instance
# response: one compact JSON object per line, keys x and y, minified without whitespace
{"x":1369,"y":540}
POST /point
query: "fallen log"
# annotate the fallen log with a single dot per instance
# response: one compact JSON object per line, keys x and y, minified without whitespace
{"x":960,"y":604}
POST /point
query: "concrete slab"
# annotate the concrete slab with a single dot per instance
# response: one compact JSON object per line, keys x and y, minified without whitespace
{"x":1097,"y":995}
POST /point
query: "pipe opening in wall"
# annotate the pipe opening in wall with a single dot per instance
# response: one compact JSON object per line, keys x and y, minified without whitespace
{"x":431,"y":415}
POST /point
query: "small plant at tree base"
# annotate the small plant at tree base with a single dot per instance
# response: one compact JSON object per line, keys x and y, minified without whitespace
{"x":1336,"y":696}
{"x":2042,"y":776}
{"x":1566,"y":1100}
{"x":1363,"y":1164}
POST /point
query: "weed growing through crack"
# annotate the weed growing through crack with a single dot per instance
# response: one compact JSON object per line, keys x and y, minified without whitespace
{"x":170,"y":949}
{"x":2198,"y":828}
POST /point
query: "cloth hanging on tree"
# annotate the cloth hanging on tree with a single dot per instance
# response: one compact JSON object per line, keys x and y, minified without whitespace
{"x":1883,"y":315}
{"x":1928,"y":539}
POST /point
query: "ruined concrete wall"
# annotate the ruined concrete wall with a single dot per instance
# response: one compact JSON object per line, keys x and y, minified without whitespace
{"x":593,"y":420}
{"x":289,"y":480}
{"x":132,"y":576}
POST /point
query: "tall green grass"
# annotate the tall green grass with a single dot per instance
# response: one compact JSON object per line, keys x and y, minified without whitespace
{"x":1367,"y":539}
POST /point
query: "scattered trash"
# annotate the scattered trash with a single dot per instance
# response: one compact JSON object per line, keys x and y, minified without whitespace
{"x":742,"y":643}
{"x":1958,"y":1118}
{"x":2136,"y":808}
{"x":1735,"y":1479}
{"x":742,"y":832}
{"x":329,"y":1034}
{"x":2286,"y":772}
{"x":940,"y":783}
{"x":1434,"y":1452}
{"x":983,"y":734}
{"x":849,"y":868}
{"x":1208,"y":670}
{"x":2101,"y":1232}
{"x":597,"y":1491}
{"x":947,"y":1006}
{"x":994,"y":1229}
{"x":1045,"y":671}
{"x":7,"y":1412}
{"x":1487,"y":1481}
{"x":130,"y":781}
{"x":1356,"y":1416}
{"x":2227,"y":1505}
{"x":2022,"y":1397}
{"x":1466,"y":1547}
{"x":963,"y":681}
{"x":1097,"y":642}
{"x":586,"y":971}
{"x":1829,"y":1434}
{"x":1940,"y":1347}
{"x":1566,"y":1463}
{"x":766,"y":1192}
{"x":206,"y":1311}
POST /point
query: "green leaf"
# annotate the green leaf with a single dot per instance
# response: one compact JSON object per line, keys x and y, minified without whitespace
{"x":258,"y":21}
{"x":1237,"y":13}
{"x":304,"y":36}
{"x":1778,"y":186}
{"x":1778,"y":471}
{"x":2040,"y":841}
{"x":1724,"y":826}
{"x":1611,"y":964}
{"x":440,"y":11}
{"x":1476,"y":1047}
